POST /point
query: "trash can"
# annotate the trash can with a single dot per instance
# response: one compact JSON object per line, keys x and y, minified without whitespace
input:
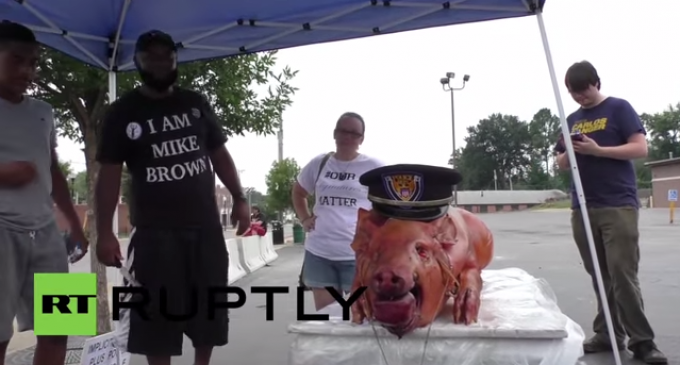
{"x":277,"y":233}
{"x":298,"y":234}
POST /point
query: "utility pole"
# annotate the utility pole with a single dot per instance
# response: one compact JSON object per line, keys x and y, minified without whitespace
{"x":279,"y":135}
{"x":446,"y":85}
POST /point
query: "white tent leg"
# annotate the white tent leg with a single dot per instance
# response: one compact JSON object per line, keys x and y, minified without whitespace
{"x":112,"y":98}
{"x":577,"y":183}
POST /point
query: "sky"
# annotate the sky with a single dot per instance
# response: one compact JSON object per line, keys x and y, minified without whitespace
{"x":393,"y":80}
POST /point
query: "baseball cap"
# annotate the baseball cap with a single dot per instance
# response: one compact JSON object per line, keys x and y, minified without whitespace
{"x":154,"y":37}
{"x":12,"y":31}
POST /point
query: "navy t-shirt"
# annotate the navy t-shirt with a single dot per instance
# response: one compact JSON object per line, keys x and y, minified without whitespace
{"x":606,"y":182}
{"x":166,"y":145}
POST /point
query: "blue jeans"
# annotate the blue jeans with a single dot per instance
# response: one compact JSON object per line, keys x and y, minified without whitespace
{"x":319,"y":272}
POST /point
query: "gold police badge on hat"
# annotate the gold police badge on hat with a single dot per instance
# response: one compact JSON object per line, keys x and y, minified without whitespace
{"x":406,"y":187}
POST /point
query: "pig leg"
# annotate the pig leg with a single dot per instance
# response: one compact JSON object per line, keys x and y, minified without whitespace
{"x":467,"y":300}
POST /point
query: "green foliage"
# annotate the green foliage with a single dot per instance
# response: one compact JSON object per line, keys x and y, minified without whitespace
{"x":544,"y":130}
{"x":125,"y":185}
{"x":500,"y":144}
{"x":79,"y":92}
{"x":280,"y":180}
{"x":663,"y":131}
{"x":80,"y":186}
{"x":65,"y":168}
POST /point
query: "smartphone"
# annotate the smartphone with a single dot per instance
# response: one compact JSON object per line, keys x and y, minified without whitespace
{"x":576,"y":136}
{"x":73,"y":249}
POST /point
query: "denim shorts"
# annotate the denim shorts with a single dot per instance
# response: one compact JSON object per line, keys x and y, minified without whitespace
{"x":319,"y":272}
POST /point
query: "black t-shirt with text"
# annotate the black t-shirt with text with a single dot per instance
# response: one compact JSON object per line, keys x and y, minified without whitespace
{"x":166,"y":145}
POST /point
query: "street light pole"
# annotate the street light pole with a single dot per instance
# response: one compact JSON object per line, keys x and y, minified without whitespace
{"x":446,"y":86}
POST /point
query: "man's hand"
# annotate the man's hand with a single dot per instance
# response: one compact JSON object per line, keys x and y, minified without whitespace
{"x":240,"y":216}
{"x":108,"y":250}
{"x":587,"y":146}
{"x":17,"y":174}
{"x":78,"y":237}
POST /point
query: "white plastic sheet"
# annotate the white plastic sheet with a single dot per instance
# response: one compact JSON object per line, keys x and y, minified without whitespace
{"x":519,"y":324}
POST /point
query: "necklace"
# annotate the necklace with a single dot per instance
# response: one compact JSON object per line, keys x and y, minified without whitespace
{"x":343,"y":167}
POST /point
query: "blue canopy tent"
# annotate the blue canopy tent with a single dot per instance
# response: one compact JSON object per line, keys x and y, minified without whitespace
{"x":102,"y":33}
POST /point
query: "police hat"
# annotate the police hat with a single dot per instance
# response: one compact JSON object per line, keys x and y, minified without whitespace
{"x":411,"y":192}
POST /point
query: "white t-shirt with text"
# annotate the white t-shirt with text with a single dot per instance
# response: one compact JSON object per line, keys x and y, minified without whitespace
{"x":339,"y":195}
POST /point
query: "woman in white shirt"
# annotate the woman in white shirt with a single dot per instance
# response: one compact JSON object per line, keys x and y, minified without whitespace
{"x":329,"y":260}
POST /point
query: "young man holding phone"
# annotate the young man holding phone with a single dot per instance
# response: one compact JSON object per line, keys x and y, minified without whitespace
{"x":607,"y":135}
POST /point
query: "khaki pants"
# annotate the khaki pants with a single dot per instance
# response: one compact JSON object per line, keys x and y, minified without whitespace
{"x":615,"y":231}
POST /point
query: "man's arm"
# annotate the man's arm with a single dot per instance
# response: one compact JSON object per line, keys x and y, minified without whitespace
{"x":111,"y":154}
{"x":299,"y":197}
{"x":221,"y":159}
{"x":632,"y":131}
{"x":634,"y":148}
{"x":106,"y":194}
{"x":225,"y":169}
{"x":305,"y":184}
{"x":561,"y":156}
{"x":563,"y":161}
{"x":61,"y":193}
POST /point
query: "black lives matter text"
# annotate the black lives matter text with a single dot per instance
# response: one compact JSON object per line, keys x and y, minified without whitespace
{"x":174,"y":147}
{"x":337,"y":201}
{"x":342,"y":176}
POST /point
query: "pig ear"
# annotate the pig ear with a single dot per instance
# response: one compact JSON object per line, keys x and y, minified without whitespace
{"x":445,"y":230}
{"x":367,"y":223}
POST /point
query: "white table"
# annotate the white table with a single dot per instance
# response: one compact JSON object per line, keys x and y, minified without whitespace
{"x":519,"y":324}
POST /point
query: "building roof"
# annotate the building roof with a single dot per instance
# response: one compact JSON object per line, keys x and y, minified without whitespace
{"x":666,"y":162}
{"x":492,"y":197}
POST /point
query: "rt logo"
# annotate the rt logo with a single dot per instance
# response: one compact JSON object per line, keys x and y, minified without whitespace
{"x":65,"y":304}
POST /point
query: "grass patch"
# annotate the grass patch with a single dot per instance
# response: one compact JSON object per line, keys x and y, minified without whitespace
{"x":560,"y":204}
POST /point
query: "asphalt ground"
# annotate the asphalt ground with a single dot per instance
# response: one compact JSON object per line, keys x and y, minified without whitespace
{"x":537,"y":241}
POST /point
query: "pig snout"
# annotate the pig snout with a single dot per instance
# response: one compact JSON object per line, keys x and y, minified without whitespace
{"x":392,"y":282}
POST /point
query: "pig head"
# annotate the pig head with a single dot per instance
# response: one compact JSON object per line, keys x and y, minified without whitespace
{"x":411,"y":269}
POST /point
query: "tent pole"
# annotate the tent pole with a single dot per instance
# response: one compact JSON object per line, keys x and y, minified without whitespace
{"x":578,"y":185}
{"x":112,"y":98}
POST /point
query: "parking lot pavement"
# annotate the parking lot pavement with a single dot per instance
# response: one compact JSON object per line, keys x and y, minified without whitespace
{"x":537,"y":242}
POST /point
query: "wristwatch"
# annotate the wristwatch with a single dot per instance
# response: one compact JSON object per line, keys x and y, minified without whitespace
{"x":239,"y":197}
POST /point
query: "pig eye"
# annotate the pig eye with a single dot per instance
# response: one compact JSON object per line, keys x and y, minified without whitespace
{"x":422,"y":252}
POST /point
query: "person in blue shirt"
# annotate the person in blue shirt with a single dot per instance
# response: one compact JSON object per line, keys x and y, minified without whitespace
{"x":607,"y":135}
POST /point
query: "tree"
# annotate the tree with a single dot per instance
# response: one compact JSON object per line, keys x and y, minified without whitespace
{"x":78,"y":93}
{"x":280,"y":180}
{"x":663,"y":131}
{"x":256,"y":198}
{"x":544,"y":129}
{"x":66,"y":168}
{"x":498,"y":143}
{"x":80,"y":187}
{"x":126,"y":185}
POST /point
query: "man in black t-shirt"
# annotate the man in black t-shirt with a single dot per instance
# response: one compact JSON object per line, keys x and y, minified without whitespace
{"x":168,"y":137}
